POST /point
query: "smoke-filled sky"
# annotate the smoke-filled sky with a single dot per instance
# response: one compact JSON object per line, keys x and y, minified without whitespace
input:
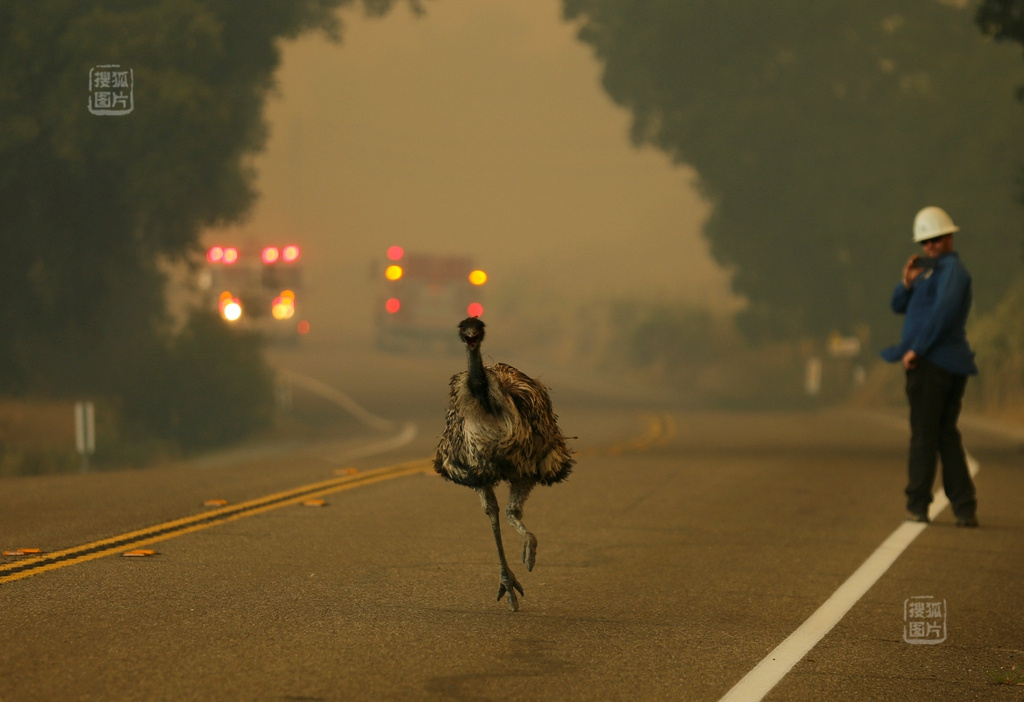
{"x":480,"y":129}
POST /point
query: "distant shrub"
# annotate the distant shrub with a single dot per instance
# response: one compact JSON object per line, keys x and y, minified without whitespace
{"x":206,"y":387}
{"x":650,"y":333}
{"x":998,"y":341}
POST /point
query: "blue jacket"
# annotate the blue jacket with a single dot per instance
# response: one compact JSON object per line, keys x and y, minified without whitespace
{"x":936,"y":308}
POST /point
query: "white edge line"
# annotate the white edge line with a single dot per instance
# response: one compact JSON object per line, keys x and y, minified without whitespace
{"x":773,"y":667}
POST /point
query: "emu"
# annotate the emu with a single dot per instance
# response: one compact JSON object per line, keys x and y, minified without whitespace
{"x":500,"y":427}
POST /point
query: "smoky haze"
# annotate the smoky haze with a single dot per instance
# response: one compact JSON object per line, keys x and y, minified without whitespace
{"x":480,"y":129}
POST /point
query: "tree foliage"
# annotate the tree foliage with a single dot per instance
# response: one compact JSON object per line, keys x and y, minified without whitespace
{"x":90,"y":204}
{"x":818,"y":128}
{"x":1002,"y":19}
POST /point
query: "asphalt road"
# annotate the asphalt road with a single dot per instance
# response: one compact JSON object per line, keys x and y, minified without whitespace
{"x":685,"y":547}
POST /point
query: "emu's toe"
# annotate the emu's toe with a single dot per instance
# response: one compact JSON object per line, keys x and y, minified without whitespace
{"x":529,"y":550}
{"x":509,"y":584}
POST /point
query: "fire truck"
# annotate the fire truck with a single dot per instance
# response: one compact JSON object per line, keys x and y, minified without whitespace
{"x":256,"y":287}
{"x":423,"y":298}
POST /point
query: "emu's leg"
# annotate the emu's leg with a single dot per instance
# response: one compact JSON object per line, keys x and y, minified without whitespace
{"x":518,"y":492}
{"x":509,"y":583}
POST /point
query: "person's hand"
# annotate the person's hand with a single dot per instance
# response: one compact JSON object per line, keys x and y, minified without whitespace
{"x":911,"y":271}
{"x":910,"y":360}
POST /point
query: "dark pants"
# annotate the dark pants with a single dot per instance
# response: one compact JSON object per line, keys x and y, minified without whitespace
{"x":935,"y":397}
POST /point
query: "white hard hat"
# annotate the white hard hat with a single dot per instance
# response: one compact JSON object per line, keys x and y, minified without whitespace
{"x":932,"y":222}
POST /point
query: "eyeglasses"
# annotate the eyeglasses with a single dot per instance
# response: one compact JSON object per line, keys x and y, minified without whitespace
{"x":936,"y":240}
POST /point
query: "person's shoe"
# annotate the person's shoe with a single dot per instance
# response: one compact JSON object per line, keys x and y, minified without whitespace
{"x":967,"y":522}
{"x":917,"y":517}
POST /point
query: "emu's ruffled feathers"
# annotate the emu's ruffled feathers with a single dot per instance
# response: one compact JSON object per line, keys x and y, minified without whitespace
{"x":500,"y":427}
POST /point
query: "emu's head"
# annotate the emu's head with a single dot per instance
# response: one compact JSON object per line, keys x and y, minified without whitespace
{"x":471,"y":331}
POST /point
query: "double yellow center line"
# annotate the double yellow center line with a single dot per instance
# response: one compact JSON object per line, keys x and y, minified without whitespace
{"x":105,"y":547}
{"x":660,"y":428}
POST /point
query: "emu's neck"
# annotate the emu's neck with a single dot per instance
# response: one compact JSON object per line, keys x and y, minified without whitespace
{"x":478,"y":380}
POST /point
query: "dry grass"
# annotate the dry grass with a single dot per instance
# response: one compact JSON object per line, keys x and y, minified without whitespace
{"x":37,"y":424}
{"x":36,"y":436}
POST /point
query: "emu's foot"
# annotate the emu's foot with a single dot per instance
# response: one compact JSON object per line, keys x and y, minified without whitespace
{"x":509,"y":584}
{"x":529,"y":550}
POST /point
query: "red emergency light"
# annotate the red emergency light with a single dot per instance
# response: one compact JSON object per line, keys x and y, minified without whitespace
{"x":222,"y":254}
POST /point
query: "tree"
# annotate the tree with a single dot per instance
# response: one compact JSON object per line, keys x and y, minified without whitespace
{"x":90,"y":205}
{"x":817,"y":129}
{"x":1002,"y":19}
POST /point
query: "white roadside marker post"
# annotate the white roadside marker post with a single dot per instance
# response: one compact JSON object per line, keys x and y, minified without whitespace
{"x":85,"y":431}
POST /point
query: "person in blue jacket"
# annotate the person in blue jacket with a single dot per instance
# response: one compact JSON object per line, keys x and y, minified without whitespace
{"x":934,"y":295}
